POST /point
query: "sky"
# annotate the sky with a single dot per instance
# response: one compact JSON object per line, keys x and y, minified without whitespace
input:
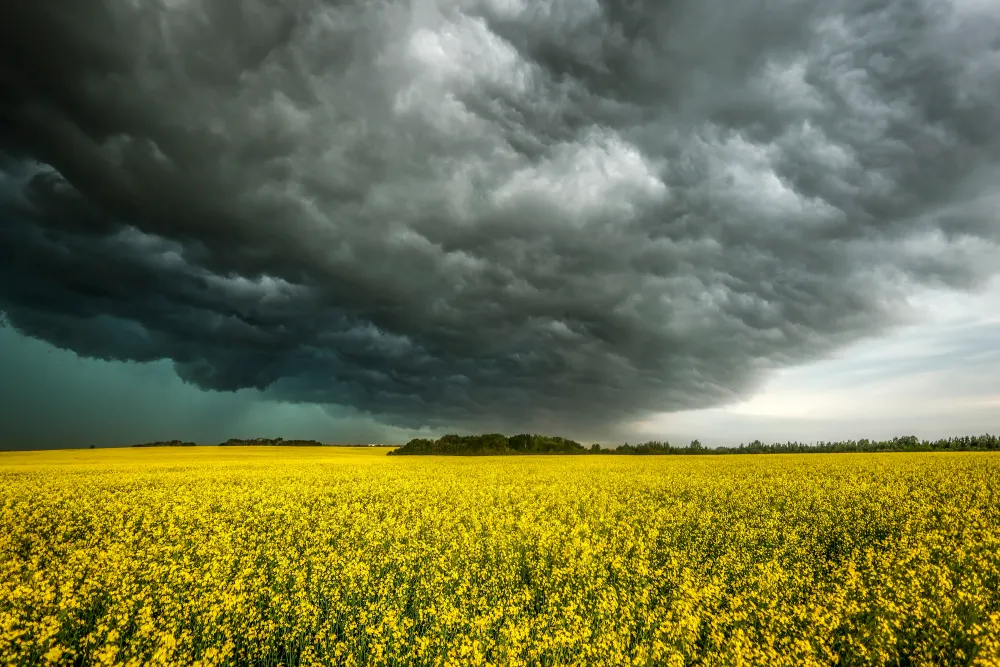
{"x":365,"y":221}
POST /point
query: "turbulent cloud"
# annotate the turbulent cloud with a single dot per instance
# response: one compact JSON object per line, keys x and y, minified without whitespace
{"x":493,"y":213}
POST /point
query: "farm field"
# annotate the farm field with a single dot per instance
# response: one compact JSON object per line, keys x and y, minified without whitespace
{"x":266,"y":556}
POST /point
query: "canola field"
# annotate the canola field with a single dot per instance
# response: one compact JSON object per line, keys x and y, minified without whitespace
{"x":261,"y":556}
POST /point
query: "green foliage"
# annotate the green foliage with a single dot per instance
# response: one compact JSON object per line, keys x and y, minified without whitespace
{"x":269,"y":442}
{"x":491,"y":444}
{"x":652,"y":447}
{"x":163,"y":443}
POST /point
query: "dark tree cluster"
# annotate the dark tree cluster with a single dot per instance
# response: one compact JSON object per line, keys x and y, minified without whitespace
{"x":491,"y":444}
{"x":653,"y":447}
{"x":269,"y":442}
{"x":165,"y":443}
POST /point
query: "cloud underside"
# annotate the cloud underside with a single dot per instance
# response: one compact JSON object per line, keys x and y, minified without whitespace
{"x":491,"y":214}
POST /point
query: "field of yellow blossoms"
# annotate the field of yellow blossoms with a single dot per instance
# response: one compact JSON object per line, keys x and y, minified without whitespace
{"x":262,"y":556}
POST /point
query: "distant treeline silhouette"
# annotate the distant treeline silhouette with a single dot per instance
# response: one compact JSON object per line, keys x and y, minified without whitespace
{"x":498,"y":444}
{"x":491,"y":444}
{"x":166,"y":443}
{"x":269,"y":442}
{"x":906,"y":443}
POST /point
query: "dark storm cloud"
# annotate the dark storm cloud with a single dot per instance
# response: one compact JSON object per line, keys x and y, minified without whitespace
{"x":496,"y":214}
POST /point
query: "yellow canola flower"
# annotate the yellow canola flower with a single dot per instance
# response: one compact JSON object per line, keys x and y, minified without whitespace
{"x":268,"y":556}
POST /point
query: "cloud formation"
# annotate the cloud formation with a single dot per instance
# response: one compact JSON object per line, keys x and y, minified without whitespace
{"x":491,"y":213}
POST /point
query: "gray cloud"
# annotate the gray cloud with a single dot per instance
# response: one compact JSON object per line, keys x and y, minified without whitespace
{"x":493,"y":214}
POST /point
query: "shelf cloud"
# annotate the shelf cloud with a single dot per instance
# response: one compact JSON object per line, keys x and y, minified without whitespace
{"x":492,"y":214}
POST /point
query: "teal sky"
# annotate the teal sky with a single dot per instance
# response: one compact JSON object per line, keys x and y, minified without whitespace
{"x":52,"y":398}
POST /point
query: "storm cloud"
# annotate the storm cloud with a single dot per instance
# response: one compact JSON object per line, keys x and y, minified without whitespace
{"x":559,"y":214}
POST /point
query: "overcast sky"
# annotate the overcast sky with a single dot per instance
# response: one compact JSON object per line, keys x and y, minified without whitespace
{"x":609,"y":220}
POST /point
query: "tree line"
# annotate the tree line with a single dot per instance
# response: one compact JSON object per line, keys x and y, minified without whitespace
{"x":496,"y":444}
{"x":269,"y":442}
{"x":491,"y":444}
{"x":163,"y":443}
